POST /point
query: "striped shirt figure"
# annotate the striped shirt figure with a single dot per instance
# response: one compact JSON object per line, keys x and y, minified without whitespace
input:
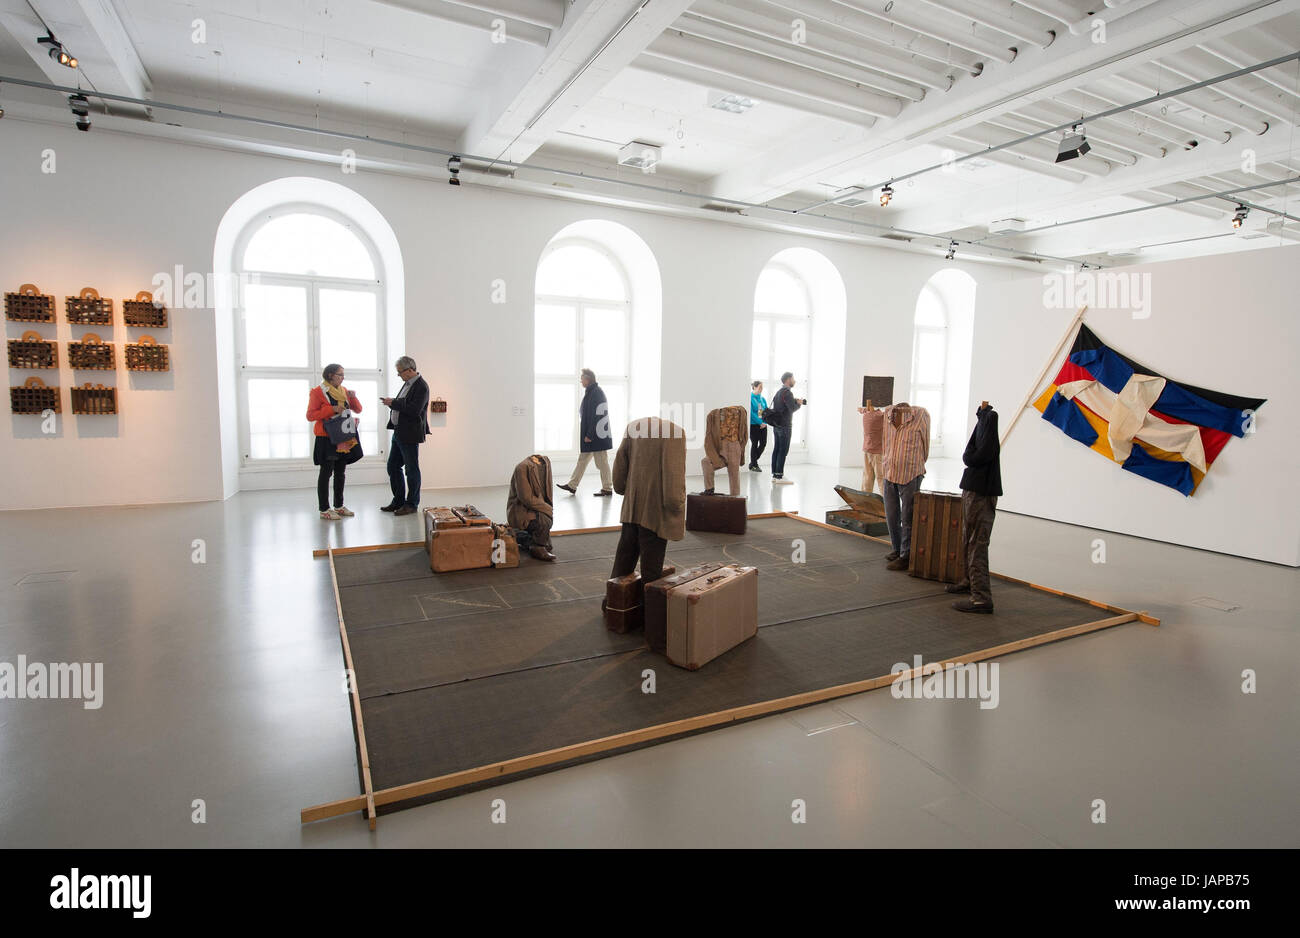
{"x":906,"y":446}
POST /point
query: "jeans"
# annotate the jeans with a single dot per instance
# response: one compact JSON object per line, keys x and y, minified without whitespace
{"x":898,"y":512}
{"x":780,"y":448}
{"x":338,"y":467}
{"x":635,"y":542}
{"x":404,"y":456}
{"x":757,"y":441}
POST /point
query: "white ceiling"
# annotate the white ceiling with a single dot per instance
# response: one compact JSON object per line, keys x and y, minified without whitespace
{"x":848,"y":92}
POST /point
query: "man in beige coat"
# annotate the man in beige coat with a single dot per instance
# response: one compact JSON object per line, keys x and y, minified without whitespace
{"x":529,"y":504}
{"x":650,"y":474}
{"x":725,"y":436}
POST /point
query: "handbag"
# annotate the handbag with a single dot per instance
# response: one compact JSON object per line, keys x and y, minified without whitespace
{"x":342,"y":428}
{"x":769,"y":416}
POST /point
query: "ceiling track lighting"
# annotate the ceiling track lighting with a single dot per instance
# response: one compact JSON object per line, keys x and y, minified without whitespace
{"x":886,"y":193}
{"x":1073,"y":145}
{"x":1242,"y":212}
{"x":56,"y":51}
{"x":453,"y":167}
{"x":952,"y":251}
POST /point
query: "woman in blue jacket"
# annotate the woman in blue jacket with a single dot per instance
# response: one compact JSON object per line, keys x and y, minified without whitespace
{"x":757,"y":429}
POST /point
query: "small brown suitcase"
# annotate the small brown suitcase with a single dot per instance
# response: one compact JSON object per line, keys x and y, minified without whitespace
{"x":656,"y":603}
{"x":466,"y":548}
{"x":438,"y":519}
{"x":470,"y":515}
{"x":624,"y":601}
{"x":936,"y":551}
{"x":723,"y":514}
{"x":503,"y":538}
{"x":711,"y":615}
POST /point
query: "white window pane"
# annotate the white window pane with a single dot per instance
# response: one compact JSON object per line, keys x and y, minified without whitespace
{"x":555,"y":409}
{"x":778,"y":292}
{"x":799,"y":428}
{"x":790,"y":343}
{"x":616,"y":395}
{"x":929,"y":308}
{"x":373,"y":417}
{"x":275,"y":326}
{"x":932,"y":400}
{"x":761,"y":356}
{"x":308,"y":244}
{"x":555,"y":340}
{"x":604,"y":341}
{"x":929,"y":357}
{"x":277,"y":418}
{"x":578,"y":270}
{"x":349,"y":331}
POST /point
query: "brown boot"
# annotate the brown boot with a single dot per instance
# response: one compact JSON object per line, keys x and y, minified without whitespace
{"x":899,"y":564}
{"x":541,"y":553}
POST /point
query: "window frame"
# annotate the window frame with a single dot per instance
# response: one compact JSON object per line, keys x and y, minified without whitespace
{"x":580,"y":305}
{"x":772,"y":382}
{"x":312,"y":284}
{"x":944,"y":332}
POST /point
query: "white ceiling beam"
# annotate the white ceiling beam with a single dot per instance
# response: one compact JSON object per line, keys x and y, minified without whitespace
{"x":1153,"y":78}
{"x":549,"y":14}
{"x":531,"y":100}
{"x":1161,"y":28}
{"x":976,"y":39}
{"x":1145,"y":120}
{"x":1201,"y":65}
{"x":515,"y":30}
{"x":1015,"y":29}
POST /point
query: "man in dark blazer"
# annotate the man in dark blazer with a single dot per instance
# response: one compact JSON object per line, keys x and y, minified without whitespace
{"x":408,"y":420}
{"x":594,"y":437}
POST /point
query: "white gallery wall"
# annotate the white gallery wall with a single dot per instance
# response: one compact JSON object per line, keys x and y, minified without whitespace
{"x":1229,"y":323}
{"x":120,"y":208}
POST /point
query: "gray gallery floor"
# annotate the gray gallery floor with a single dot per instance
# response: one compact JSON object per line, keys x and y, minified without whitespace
{"x":222,"y":683}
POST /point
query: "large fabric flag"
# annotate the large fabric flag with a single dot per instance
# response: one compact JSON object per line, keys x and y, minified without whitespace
{"x":1162,"y":430}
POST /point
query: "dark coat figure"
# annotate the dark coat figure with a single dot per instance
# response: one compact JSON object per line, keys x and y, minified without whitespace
{"x":981,"y":484}
{"x":983,"y":474}
{"x":593,"y":433}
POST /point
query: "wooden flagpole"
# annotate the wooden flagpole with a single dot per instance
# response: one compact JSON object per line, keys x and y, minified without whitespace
{"x":1033,"y":388}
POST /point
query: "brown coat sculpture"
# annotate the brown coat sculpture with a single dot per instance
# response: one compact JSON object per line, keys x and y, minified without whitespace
{"x":650,"y":474}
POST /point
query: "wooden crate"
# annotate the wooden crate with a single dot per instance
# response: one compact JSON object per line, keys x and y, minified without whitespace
{"x":94,"y":399}
{"x":148,"y":355}
{"x":865,"y":514}
{"x":142,"y":312}
{"x":33,"y":397}
{"x":29,"y":305}
{"x":32,"y":351}
{"x":92,"y":354}
{"x":88,"y":309}
{"x":936,"y":552}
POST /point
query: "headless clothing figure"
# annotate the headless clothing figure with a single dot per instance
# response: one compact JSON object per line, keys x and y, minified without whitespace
{"x":529,"y":504}
{"x":726,"y":433}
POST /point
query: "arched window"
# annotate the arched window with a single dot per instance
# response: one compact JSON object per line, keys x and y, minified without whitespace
{"x":311,"y":293}
{"x":583,"y":320}
{"x":783,"y":337}
{"x":930,"y":357}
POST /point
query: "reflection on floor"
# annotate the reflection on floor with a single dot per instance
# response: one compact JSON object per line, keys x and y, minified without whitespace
{"x":223,"y":682}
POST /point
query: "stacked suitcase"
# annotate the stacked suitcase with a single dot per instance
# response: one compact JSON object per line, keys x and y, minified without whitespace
{"x":723,"y":514}
{"x":698,"y":614}
{"x":458,"y":538}
{"x":624,"y":601}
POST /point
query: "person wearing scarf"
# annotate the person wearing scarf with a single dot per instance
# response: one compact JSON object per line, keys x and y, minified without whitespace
{"x":325,"y":402}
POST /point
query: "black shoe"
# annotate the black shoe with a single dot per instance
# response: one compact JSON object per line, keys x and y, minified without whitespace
{"x":706,"y":492}
{"x":754,"y":467}
{"x":892,"y":555}
{"x":604,"y":493}
{"x":958,"y":588}
{"x":405,"y":510}
{"x":391,"y":506}
{"x":567,"y":489}
{"x":968,"y":605}
{"x":899,"y":564}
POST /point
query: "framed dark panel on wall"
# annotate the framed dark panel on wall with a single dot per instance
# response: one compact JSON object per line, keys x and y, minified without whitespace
{"x":878,"y":390}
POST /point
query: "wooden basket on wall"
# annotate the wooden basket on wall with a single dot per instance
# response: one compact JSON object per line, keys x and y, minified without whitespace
{"x":32,"y":351}
{"x":437,"y":406}
{"x":92,"y":354}
{"x":33,"y":397}
{"x":147,"y":355}
{"x":87,"y":309}
{"x":29,"y":305}
{"x":94,"y":399}
{"x":143,"y":312}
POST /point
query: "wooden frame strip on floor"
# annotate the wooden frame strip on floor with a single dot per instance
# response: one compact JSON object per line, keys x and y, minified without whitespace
{"x":370,"y":799}
{"x":704,"y":721}
{"x":367,"y":800}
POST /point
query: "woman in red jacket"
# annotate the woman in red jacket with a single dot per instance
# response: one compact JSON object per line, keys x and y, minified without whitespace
{"x":327,"y":401}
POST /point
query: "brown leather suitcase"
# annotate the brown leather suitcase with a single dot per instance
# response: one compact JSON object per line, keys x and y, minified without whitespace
{"x":438,"y":519}
{"x":624,"y":601}
{"x":470,"y":515}
{"x":465,"y":548}
{"x":504,"y":537}
{"x":936,"y":551}
{"x":711,"y":615}
{"x":656,"y":603}
{"x":723,"y":514}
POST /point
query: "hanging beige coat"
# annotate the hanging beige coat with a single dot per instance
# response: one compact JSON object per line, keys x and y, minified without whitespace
{"x":650,"y":474}
{"x":726,"y":433}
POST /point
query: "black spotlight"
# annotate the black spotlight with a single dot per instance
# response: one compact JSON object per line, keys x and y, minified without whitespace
{"x":1237,"y":219}
{"x":1073,"y":145}
{"x":952,"y":251}
{"x":453,"y":167}
{"x":80,"y":108}
{"x":886,"y":193}
{"x":56,"y":51}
